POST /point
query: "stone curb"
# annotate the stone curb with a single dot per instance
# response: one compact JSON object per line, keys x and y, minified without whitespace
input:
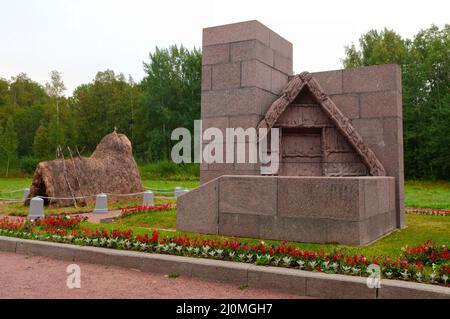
{"x":303,"y":283}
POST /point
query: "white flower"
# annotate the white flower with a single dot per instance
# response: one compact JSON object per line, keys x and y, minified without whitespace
{"x":241,"y":256}
{"x":189,"y":249}
{"x":432,"y":276}
{"x":172,"y":245}
{"x":212,"y":253}
{"x":287,"y":260}
{"x":179,"y":248}
{"x":405,"y":274}
{"x":445,"y":278}
{"x":355,"y":270}
{"x":196,"y":250}
{"x":300,"y":263}
{"x":206,"y":248}
{"x":335,"y":266}
{"x":277,"y":261}
{"x":231,"y":254}
{"x":326,"y":264}
{"x":389,"y":274}
{"x":419,"y":276}
{"x":249,"y":257}
{"x":268,"y":257}
{"x":346,"y":268}
{"x":313,"y":263}
{"x":219,"y":252}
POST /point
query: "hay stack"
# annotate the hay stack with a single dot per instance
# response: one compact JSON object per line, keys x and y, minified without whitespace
{"x":110,"y":169}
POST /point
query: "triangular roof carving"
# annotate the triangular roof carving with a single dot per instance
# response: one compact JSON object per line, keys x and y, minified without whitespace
{"x":343,"y":124}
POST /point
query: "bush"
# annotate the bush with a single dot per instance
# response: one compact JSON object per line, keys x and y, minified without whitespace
{"x":28,"y":164}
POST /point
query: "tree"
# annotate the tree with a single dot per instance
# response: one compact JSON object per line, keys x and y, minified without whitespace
{"x":41,"y":145}
{"x":101,"y":106}
{"x":425,"y":62}
{"x":8,"y":143}
{"x":170,"y":99}
{"x":377,"y":48}
{"x":55,"y":90}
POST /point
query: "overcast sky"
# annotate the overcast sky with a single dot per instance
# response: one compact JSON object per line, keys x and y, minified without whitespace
{"x":81,"y":37}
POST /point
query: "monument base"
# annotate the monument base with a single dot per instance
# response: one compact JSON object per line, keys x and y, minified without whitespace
{"x":345,"y":210}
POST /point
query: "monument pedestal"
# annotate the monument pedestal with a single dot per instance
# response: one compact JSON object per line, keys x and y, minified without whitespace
{"x":345,"y":210}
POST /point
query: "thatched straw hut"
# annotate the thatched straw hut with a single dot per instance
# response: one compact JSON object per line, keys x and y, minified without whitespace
{"x":110,"y":169}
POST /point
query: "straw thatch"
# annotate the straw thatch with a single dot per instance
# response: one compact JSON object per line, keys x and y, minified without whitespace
{"x":110,"y":169}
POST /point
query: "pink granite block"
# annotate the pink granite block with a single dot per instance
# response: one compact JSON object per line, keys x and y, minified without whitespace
{"x":206,"y":77}
{"x":251,"y":50}
{"x":386,"y":77}
{"x":256,"y":74}
{"x":242,"y":31}
{"x":330,"y":81}
{"x":380,"y":104}
{"x":226,"y":76}
{"x":216,"y":54}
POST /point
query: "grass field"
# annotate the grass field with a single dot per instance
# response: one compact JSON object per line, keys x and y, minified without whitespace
{"x":420,"y":229}
{"x":417,"y":193}
{"x":422,"y":194}
{"x":20,"y":183}
{"x":426,"y":194}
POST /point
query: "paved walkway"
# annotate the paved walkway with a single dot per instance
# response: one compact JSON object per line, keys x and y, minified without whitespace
{"x":42,"y":277}
{"x":101,"y":218}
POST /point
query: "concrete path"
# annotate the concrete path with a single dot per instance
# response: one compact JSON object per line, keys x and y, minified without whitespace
{"x":42,"y":277}
{"x":101,"y":218}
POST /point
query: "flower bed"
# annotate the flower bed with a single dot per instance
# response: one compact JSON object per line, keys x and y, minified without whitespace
{"x":428,"y":211}
{"x":429,"y":263}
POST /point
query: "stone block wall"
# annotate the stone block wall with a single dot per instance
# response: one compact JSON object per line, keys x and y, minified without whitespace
{"x":245,"y":65}
{"x":347,"y":210}
{"x":371,"y":97}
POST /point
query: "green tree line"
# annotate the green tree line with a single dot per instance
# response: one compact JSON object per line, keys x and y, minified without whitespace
{"x":425,"y":61}
{"x":35,"y":118}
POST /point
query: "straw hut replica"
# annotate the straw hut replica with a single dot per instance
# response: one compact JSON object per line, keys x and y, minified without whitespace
{"x":110,"y":169}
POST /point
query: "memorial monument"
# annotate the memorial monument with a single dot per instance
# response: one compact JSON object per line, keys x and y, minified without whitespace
{"x":340,"y":176}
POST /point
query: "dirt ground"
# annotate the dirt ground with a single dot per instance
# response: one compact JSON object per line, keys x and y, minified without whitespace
{"x":23,"y":276}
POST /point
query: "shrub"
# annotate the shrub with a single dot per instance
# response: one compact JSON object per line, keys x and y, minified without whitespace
{"x":28,"y":164}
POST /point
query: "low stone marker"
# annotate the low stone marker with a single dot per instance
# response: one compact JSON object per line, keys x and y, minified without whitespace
{"x":148,"y":199}
{"x":101,"y":204}
{"x":26,"y":192}
{"x":36,"y":209}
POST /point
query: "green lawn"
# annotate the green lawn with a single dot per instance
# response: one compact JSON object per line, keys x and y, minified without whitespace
{"x":10,"y":184}
{"x":420,"y":229}
{"x":418,"y":194}
{"x":20,"y":183}
{"x":426,"y":194}
{"x":162,"y":185}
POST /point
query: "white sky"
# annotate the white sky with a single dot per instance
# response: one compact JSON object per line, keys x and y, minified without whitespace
{"x":81,"y":37}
